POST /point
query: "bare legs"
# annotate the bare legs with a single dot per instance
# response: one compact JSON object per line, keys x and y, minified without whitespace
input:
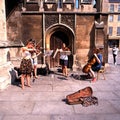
{"x":93,"y":75}
{"x":28,"y":77}
{"x":35,"y":71}
{"x":28,"y":80}
{"x":22,"y":80}
{"x":64,"y":70}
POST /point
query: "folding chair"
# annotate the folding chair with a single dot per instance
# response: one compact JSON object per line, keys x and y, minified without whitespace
{"x":101,"y":71}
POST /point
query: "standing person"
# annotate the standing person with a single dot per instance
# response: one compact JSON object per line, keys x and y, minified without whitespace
{"x":94,"y":64}
{"x":26,"y":64}
{"x":115,"y":53}
{"x":34,"y":60}
{"x":64,"y":59}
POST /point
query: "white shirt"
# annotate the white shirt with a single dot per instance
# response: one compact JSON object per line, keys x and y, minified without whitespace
{"x":62,"y":56}
{"x":115,"y":50}
{"x":26,"y":54}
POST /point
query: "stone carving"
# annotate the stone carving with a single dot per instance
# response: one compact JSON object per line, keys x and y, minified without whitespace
{"x":99,"y":25}
{"x":50,"y":7}
{"x":51,"y":19}
{"x":68,"y":20}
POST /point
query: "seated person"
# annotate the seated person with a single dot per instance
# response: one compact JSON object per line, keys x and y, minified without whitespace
{"x":94,"y":64}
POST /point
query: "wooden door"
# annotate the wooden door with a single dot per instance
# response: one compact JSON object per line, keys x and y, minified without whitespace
{"x":54,"y":44}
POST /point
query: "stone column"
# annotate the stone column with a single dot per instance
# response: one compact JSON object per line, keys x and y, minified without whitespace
{"x":40,"y":3}
{"x":119,"y":44}
{"x":3,"y":21}
{"x":5,"y":65}
{"x":74,"y":67}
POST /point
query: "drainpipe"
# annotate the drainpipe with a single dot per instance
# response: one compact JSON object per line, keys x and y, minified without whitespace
{"x":74,"y":52}
{"x":43,"y":37}
{"x":119,"y":44}
{"x":59,"y":18}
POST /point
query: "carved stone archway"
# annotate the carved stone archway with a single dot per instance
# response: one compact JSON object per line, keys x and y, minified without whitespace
{"x":55,"y":36}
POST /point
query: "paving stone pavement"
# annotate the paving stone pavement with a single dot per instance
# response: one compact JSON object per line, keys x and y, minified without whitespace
{"x":44,"y":100}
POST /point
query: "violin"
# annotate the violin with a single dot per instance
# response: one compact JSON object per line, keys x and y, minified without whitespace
{"x":65,"y":49}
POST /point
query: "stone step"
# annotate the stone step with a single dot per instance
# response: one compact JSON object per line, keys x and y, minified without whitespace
{"x":4,"y":82}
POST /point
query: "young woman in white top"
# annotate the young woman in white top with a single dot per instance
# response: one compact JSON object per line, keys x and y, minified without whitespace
{"x":64,"y":59}
{"x":26,"y":63}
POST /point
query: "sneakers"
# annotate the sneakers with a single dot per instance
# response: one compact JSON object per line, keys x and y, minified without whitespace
{"x":94,"y":80}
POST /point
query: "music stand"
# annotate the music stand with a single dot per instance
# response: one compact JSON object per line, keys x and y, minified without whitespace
{"x":48,"y":52}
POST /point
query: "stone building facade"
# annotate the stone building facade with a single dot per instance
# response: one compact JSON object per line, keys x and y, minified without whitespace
{"x":51,"y":23}
{"x":5,"y":65}
{"x":80,"y":24}
{"x":113,"y":8}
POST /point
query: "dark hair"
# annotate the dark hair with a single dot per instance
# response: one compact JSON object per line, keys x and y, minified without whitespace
{"x":96,"y":50}
{"x":32,"y":41}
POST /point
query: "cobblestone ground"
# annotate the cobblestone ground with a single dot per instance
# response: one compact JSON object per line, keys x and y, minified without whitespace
{"x":44,"y":101}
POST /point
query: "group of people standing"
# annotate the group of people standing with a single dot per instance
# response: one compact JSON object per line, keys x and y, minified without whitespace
{"x":93,"y":65}
{"x":29,"y":62}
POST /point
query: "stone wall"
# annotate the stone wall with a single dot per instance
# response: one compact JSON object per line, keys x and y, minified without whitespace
{"x":3,"y":36}
{"x":14,"y":26}
{"x":2,"y":21}
{"x":32,"y":28}
{"x":31,"y":24}
{"x":5,"y":66}
{"x":85,"y":32}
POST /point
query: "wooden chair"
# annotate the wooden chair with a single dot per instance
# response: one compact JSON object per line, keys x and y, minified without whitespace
{"x":102,"y":72}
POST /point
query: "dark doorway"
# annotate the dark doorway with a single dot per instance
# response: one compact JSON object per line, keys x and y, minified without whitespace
{"x":111,"y":43}
{"x":56,"y":41}
{"x":10,"y":5}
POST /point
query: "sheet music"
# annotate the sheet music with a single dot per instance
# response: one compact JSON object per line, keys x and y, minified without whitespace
{"x":48,"y":52}
{"x":55,"y":53}
{"x":65,"y":52}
